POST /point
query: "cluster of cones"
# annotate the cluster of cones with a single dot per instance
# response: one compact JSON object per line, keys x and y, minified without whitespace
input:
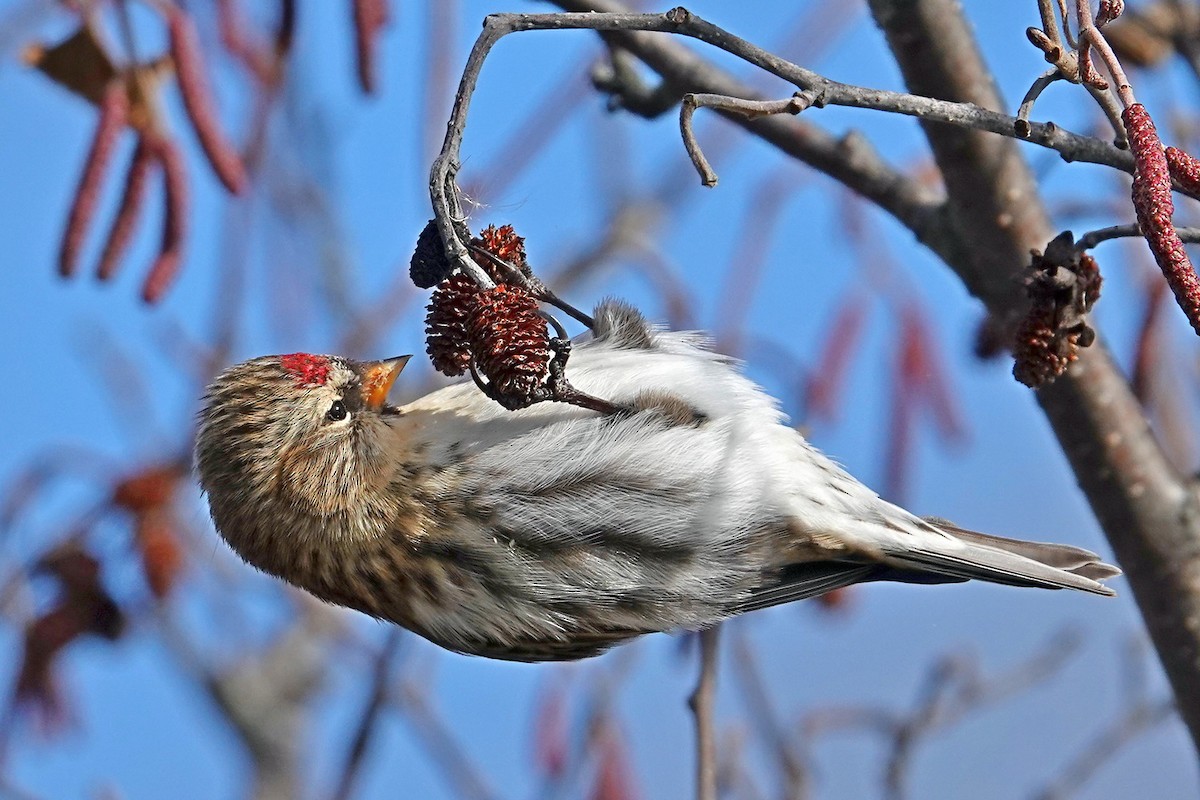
{"x":500,"y":332}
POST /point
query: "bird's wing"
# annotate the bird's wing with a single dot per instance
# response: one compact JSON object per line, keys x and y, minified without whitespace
{"x":814,"y":578}
{"x":802,"y":581}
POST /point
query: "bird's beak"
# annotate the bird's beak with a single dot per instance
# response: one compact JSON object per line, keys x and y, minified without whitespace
{"x":377,"y":380}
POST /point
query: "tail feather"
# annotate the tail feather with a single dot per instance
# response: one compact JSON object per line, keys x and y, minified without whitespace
{"x":935,"y":551}
{"x":1063,"y":556}
{"x":1008,"y":561}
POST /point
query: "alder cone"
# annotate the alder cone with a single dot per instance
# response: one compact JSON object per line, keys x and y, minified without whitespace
{"x":1041,"y":354}
{"x":505,"y":245}
{"x":429,"y":265}
{"x":511,"y":345}
{"x":446,"y":337}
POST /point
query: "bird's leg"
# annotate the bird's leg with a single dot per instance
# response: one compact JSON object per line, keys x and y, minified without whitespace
{"x":561,"y":389}
{"x":556,"y":387}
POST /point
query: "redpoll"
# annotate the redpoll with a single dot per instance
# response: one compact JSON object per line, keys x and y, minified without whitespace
{"x":554,"y":532}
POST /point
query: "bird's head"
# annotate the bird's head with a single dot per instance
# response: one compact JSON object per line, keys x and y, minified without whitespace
{"x":294,"y":435}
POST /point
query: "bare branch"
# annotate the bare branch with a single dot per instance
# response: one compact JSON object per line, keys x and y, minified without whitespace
{"x":1092,"y":238}
{"x":1091,"y":37}
{"x":953,"y":689}
{"x":265,"y":698}
{"x":1040,"y":85}
{"x":1136,"y":721}
{"x":1150,"y":515}
{"x":440,"y":742}
{"x":750,"y":109}
{"x":766,"y":721}
{"x":702,"y":704}
{"x":367,"y":723}
{"x":444,"y":192}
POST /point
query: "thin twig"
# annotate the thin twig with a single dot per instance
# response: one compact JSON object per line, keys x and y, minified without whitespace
{"x":1040,"y":85}
{"x":441,"y":744}
{"x":1049,"y":23}
{"x":702,"y":703}
{"x":1136,"y":721}
{"x":766,"y":721}
{"x":1091,"y":37}
{"x":536,"y":287}
{"x":444,"y":192}
{"x":750,"y":109}
{"x":367,"y":723}
{"x":952,"y":690}
{"x":1092,"y":238}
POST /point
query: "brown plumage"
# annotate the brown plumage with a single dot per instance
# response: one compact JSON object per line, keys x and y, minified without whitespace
{"x":555,"y":532}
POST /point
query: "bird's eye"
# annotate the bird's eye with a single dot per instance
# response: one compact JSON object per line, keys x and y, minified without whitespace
{"x":337,"y":411}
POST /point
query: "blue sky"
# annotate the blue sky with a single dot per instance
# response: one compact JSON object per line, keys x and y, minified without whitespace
{"x":142,"y":726}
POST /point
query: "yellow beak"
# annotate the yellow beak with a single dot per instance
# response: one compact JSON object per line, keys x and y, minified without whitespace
{"x":377,"y":380}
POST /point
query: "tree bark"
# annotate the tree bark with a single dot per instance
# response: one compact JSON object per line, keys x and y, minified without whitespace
{"x":1149,"y":512}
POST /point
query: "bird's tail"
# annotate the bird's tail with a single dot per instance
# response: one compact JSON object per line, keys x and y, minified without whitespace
{"x":1009,"y":561}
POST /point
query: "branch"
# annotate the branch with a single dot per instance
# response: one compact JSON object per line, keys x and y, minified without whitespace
{"x":765,"y":719}
{"x":1071,"y":146}
{"x":440,"y":743}
{"x":1092,"y":238}
{"x":701,"y":703}
{"x":994,"y":217}
{"x":878,"y":182}
{"x":952,"y":690}
{"x":265,"y":699}
{"x":1137,"y":720}
{"x":1151,"y":517}
{"x":367,"y":723}
{"x":750,"y":109}
{"x":1040,"y":85}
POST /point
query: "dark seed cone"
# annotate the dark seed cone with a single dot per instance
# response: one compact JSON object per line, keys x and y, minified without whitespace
{"x":429,"y":265}
{"x":505,"y":245}
{"x":1041,"y":353}
{"x":446,"y":337}
{"x":511,"y":344}
{"x":1063,"y":285}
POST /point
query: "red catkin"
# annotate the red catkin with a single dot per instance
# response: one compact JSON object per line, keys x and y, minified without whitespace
{"x":258,"y":61}
{"x":928,"y":375}
{"x":128,"y":212}
{"x":114,"y":112}
{"x":198,"y":102}
{"x":1040,"y":354}
{"x":161,"y":552}
{"x":823,"y":390}
{"x":1154,"y":207}
{"x":369,"y":17}
{"x":166,"y":264}
{"x":1063,"y":285}
{"x":446,"y":334}
{"x":505,"y":245}
{"x":1185,"y":169}
{"x":1148,"y":352}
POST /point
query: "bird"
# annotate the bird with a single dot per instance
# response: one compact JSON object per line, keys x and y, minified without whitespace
{"x":555,"y":532}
